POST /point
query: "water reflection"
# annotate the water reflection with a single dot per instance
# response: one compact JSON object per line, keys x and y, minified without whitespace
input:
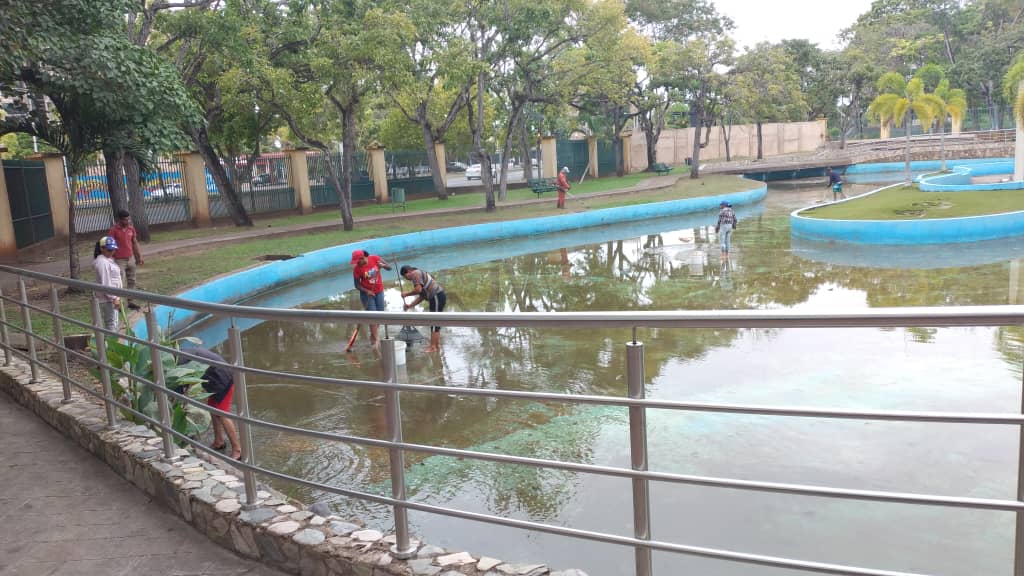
{"x":675,"y":264}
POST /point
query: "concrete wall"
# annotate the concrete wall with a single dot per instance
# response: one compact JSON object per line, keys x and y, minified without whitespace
{"x":676,"y":145}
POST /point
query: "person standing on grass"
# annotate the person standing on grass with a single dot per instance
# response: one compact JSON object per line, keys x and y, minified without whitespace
{"x":424,"y":287}
{"x":107,"y":274}
{"x":127,"y":248}
{"x":220,"y":383}
{"x":369,"y":280}
{"x":727,"y":222}
{"x":562,"y":184}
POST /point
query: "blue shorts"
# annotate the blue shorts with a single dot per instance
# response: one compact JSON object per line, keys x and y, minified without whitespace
{"x":374,"y":303}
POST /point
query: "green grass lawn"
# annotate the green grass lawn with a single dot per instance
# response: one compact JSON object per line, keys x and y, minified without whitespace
{"x":910,"y":203}
{"x":173,"y":273}
{"x":455,"y":201}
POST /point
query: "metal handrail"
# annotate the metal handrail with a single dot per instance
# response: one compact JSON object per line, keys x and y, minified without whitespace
{"x":642,"y":542}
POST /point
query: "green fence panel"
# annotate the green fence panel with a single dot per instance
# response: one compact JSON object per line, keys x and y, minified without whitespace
{"x":29,"y":201}
{"x":605,"y":159}
{"x":574,"y":154}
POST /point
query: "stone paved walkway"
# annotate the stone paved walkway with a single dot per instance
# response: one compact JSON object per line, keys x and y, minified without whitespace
{"x":64,"y":513}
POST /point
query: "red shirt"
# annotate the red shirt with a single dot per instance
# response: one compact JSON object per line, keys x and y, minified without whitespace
{"x":125,"y":237}
{"x":563,"y":182}
{"x":369,"y":276}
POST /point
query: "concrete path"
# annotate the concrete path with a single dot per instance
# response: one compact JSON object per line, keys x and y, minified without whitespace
{"x":64,"y":513}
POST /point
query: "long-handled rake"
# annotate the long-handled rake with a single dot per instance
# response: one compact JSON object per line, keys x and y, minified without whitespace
{"x":407,"y":334}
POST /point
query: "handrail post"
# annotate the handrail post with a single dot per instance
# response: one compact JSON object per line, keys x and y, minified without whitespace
{"x":155,"y":360}
{"x":244,"y":430}
{"x":30,"y":338}
{"x":638,"y":454}
{"x":402,"y":548}
{"x":1018,"y":546}
{"x":5,"y":339}
{"x":58,"y":339}
{"x":101,"y":353}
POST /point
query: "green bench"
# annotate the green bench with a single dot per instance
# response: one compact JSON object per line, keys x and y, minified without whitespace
{"x":661,"y":168}
{"x":541,"y":185}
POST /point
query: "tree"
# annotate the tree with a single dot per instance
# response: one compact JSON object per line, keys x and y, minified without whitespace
{"x":901,"y":99}
{"x":104,"y":90}
{"x":1013,"y":91}
{"x":767,"y":88}
{"x":950,"y":102}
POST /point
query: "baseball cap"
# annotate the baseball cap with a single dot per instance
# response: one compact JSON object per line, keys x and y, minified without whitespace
{"x":108,"y":243}
{"x":565,"y":168}
{"x":357,"y":254}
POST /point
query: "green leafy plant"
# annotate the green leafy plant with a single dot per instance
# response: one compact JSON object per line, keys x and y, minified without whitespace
{"x":136,"y":359}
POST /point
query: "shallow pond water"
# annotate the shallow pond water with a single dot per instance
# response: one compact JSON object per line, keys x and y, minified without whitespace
{"x":674,"y":264}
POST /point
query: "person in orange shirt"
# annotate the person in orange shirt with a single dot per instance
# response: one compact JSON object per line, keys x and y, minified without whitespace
{"x":563,"y":185}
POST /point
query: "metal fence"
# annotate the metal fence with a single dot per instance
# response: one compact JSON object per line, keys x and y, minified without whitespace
{"x":321,"y":190}
{"x":267,"y":190}
{"x":163,"y":190}
{"x":643,"y":541}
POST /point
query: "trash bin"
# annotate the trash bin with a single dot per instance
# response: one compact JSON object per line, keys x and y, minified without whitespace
{"x":397,"y":198}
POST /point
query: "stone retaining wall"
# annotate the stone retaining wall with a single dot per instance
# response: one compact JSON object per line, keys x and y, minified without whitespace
{"x":277,"y":532}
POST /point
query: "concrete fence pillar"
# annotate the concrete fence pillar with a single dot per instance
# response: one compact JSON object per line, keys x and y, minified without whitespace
{"x":193,"y":169}
{"x":442,"y":161}
{"x":379,"y":173}
{"x":8,"y":243}
{"x":549,"y":157}
{"x":57,"y":190}
{"x":298,"y":180}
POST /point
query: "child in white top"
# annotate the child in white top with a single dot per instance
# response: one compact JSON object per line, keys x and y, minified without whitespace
{"x":108,"y":274}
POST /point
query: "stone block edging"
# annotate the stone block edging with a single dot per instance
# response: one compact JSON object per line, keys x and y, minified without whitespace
{"x":276,"y":532}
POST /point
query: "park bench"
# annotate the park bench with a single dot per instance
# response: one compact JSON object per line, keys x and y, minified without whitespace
{"x":541,"y":185}
{"x":661,"y":168}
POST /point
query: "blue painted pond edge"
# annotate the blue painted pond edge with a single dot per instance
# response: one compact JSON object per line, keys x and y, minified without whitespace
{"x":247,"y":283}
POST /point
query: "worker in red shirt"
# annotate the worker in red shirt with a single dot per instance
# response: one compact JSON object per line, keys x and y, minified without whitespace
{"x":369,"y":280}
{"x":127,"y":247}
{"x":562,"y":184}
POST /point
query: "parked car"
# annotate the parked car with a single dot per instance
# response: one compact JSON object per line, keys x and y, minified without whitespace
{"x":456,"y":167}
{"x":473,"y":172}
{"x":261,"y":179}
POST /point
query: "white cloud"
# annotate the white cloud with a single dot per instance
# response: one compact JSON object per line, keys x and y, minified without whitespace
{"x":817,"y":21}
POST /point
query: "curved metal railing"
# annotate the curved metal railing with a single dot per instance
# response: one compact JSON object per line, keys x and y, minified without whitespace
{"x":642,"y":541}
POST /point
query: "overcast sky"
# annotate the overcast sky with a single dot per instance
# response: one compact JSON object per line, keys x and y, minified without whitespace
{"x":774,"y":20}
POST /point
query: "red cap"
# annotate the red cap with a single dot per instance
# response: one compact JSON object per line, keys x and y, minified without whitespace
{"x":357,"y":255}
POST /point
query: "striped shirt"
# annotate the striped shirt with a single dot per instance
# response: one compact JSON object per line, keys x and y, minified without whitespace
{"x":428,"y":286}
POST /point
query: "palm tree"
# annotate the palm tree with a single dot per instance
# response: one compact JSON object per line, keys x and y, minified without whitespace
{"x":953,"y":104}
{"x":1013,"y":90}
{"x":899,"y":101}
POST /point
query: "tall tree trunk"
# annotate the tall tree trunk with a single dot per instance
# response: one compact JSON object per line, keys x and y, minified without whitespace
{"x":696,"y":114}
{"x":942,"y":141}
{"x":906,"y":124}
{"x":726,"y":133}
{"x":428,"y":143}
{"x":650,"y":138}
{"x":506,"y":150}
{"x":524,"y":135}
{"x":476,"y":128}
{"x":73,"y":269}
{"x":348,"y":140}
{"x":201,"y":139}
{"x":136,"y":200}
{"x":114,"y":160}
{"x":344,"y":199}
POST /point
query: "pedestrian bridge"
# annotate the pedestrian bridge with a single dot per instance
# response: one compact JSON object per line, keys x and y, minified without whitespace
{"x":985,"y":144}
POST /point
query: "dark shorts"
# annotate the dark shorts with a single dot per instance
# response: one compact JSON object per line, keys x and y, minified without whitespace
{"x":437,"y":302}
{"x":373,"y":303}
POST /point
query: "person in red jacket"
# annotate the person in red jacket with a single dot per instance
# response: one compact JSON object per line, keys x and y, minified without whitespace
{"x":369,"y":280}
{"x":563,"y":185}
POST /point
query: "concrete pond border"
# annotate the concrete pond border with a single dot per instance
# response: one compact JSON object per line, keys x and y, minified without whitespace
{"x":920,"y":232}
